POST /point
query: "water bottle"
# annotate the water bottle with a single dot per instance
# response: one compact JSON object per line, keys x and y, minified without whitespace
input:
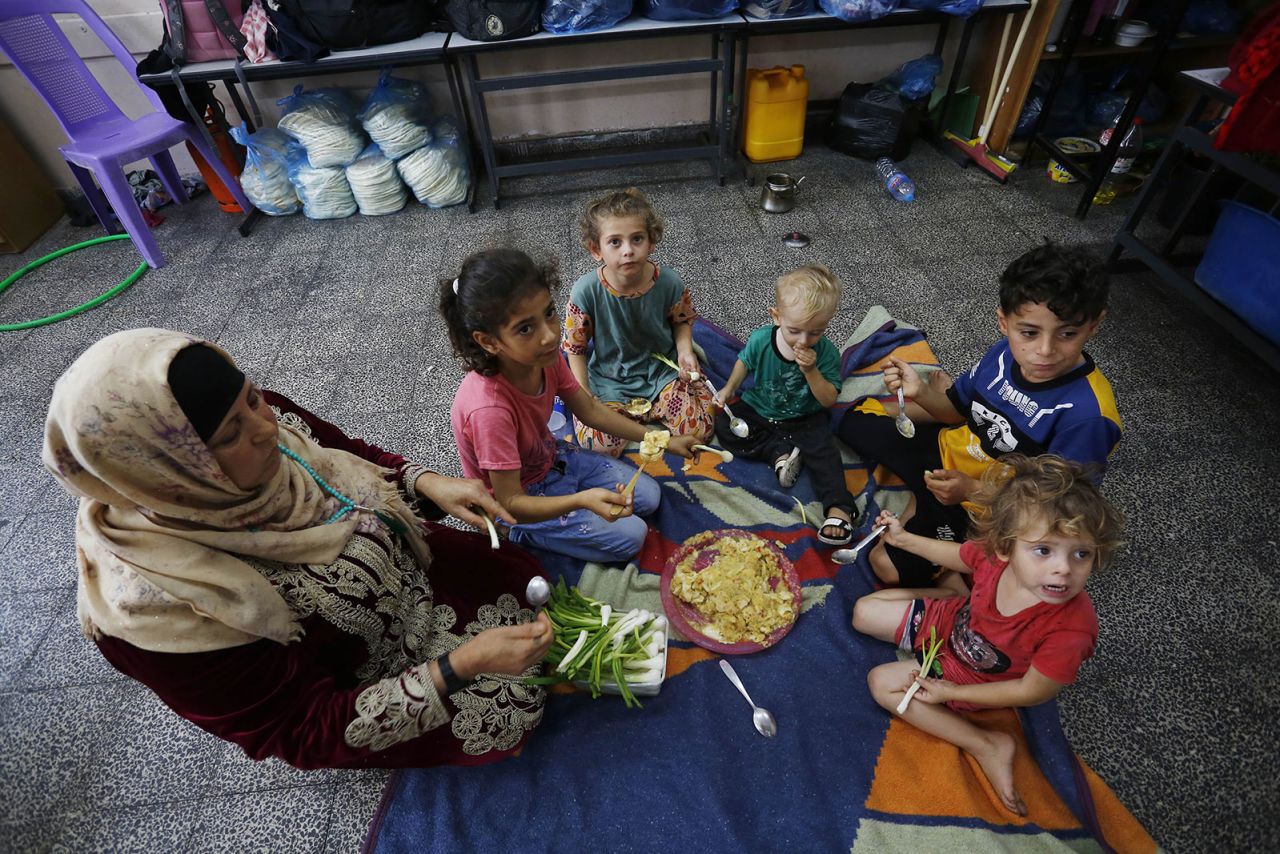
{"x":895,"y":180}
{"x":558,"y":419}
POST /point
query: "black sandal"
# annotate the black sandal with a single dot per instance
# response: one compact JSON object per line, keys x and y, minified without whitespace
{"x":846,"y":531}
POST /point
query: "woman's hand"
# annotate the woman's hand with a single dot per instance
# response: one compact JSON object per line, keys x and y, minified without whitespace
{"x":949,"y":486}
{"x":505,"y":649}
{"x":894,"y":533}
{"x":899,"y":373}
{"x":460,"y":496}
{"x":602,"y":503}
{"x":932,"y":691}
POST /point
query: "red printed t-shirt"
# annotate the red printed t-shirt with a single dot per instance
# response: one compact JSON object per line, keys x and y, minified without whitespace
{"x":500,"y":428}
{"x":984,"y":645}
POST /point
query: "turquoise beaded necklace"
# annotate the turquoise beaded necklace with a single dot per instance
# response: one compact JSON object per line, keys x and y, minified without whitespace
{"x":346,"y":505}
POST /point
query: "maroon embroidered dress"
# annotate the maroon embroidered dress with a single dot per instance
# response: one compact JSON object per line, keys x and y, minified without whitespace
{"x":356,"y":691}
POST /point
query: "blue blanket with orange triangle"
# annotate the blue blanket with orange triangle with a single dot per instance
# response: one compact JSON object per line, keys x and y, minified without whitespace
{"x":689,"y":772}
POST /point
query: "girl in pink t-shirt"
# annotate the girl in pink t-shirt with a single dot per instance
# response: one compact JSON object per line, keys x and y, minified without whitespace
{"x":1025,"y":627}
{"x":503,"y":324}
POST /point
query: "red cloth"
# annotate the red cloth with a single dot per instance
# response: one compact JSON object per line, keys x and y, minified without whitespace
{"x":984,"y":645}
{"x":500,"y":428}
{"x":1253,"y":125}
{"x":295,"y":701}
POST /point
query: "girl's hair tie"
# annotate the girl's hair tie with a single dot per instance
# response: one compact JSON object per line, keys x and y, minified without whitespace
{"x":455,"y":287}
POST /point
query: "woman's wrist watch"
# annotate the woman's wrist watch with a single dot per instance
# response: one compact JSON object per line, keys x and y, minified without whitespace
{"x":453,"y":683}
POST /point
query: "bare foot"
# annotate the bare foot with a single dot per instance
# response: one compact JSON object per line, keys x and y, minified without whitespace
{"x":997,"y":763}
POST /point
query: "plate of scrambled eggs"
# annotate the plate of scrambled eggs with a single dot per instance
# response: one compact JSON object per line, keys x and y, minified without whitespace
{"x":731,"y":591}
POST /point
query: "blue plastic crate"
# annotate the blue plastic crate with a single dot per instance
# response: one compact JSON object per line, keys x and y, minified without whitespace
{"x":1241,"y":267}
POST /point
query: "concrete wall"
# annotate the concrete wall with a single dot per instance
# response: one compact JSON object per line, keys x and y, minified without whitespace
{"x":831,"y":60}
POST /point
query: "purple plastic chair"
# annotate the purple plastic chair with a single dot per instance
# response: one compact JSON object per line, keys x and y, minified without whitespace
{"x":102,"y":139}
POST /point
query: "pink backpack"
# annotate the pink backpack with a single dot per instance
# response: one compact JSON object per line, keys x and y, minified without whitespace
{"x":203,"y":30}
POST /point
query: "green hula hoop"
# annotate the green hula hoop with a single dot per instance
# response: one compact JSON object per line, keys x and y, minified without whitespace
{"x":84,"y":306}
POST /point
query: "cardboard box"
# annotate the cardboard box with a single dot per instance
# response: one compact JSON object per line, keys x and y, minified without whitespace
{"x":28,"y":206}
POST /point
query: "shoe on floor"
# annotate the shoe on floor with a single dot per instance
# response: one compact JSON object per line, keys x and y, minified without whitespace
{"x":788,"y":469}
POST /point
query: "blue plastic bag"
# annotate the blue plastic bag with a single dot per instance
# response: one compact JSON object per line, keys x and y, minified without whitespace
{"x":437,"y":173}
{"x":323,"y":121}
{"x":323,"y":190}
{"x":963,"y":8}
{"x":265,"y":179}
{"x":685,"y":10}
{"x":858,"y":10}
{"x":915,"y":79}
{"x":768,"y":9}
{"x":397,"y":115}
{"x":583,"y":16}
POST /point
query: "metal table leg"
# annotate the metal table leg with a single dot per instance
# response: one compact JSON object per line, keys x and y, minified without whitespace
{"x":482,"y":120}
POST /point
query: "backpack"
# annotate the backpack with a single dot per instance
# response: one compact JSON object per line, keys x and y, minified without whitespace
{"x":203,"y":30}
{"x":348,"y":24}
{"x":494,"y":20}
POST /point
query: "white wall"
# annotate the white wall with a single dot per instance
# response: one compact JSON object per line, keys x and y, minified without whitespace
{"x":831,"y":60}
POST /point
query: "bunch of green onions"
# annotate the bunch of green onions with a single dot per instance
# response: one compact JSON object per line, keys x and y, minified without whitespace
{"x":594,"y":644}
{"x":929,"y":665}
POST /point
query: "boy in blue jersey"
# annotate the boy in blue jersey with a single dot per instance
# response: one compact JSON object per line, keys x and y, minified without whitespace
{"x":1034,"y":392}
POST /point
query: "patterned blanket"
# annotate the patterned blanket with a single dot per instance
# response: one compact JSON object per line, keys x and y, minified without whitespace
{"x":688,"y":771}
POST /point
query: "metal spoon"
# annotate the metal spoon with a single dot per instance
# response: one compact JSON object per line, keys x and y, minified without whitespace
{"x":902,"y":422}
{"x":537,"y":592}
{"x":737,"y":426}
{"x":765,"y":724}
{"x":851,"y":555}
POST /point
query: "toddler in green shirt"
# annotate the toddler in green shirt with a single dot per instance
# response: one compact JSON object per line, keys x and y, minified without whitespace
{"x":797,"y":378}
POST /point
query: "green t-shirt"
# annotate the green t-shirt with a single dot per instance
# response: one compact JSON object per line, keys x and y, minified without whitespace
{"x":627,"y":332}
{"x":781,"y":392}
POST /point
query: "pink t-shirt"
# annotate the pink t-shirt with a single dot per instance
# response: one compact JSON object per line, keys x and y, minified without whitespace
{"x":500,"y":428}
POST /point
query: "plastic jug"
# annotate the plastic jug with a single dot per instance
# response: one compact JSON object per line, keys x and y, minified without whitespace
{"x":776,"y":102}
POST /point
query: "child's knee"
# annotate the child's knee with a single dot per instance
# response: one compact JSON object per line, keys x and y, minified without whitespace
{"x":862,"y":612}
{"x":882,"y":681}
{"x":647,"y":496}
{"x":882,"y":564}
{"x":624,"y":538}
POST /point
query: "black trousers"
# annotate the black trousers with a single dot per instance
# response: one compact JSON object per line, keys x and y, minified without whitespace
{"x":768,"y":440}
{"x":876,"y":439}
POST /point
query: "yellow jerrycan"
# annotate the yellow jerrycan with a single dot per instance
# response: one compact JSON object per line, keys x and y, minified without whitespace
{"x":776,"y":101}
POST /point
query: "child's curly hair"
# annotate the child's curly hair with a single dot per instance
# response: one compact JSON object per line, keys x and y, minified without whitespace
{"x":623,"y":203}
{"x":480,"y":299}
{"x":1070,"y":280}
{"x":812,"y":288}
{"x":1028,"y":491}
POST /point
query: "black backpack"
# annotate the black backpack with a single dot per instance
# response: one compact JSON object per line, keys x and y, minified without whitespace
{"x":494,"y":20}
{"x":348,"y":24}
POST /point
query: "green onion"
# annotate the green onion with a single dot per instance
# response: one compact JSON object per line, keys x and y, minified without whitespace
{"x":930,"y":663}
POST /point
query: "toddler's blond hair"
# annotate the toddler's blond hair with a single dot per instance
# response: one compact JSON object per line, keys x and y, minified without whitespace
{"x":812,"y":288}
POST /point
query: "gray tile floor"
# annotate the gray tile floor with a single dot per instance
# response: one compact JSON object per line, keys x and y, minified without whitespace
{"x":1173,"y":711}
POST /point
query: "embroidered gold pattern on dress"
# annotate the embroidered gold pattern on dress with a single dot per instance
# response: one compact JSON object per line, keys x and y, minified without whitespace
{"x":395,"y":710}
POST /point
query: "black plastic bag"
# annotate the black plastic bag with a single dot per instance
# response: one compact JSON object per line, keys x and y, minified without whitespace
{"x":872,"y":122}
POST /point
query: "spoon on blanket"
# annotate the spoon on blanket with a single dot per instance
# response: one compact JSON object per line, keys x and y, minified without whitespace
{"x":762,"y":718}
{"x":727,"y":456}
{"x":846,"y":556}
{"x":904,"y":424}
{"x":737,"y":426}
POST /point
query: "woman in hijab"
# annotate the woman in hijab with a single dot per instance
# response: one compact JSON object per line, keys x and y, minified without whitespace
{"x":267,"y":576}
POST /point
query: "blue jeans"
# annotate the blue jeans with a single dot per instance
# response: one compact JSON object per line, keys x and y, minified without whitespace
{"x":582,"y":534}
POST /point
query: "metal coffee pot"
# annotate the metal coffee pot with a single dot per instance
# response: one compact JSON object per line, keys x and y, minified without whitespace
{"x":779,"y":194}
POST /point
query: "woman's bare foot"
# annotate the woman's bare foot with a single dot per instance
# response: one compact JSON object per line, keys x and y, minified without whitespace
{"x":997,"y":764}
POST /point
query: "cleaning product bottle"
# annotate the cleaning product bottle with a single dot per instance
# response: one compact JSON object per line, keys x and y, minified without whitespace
{"x":895,"y":180}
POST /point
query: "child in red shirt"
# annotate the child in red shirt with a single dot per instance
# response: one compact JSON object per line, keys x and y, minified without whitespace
{"x":1026,"y":626}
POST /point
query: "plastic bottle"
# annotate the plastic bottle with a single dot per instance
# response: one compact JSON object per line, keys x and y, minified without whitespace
{"x":1130,"y":148}
{"x":895,"y":180}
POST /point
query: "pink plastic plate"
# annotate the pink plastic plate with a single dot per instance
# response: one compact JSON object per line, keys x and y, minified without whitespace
{"x":686,"y":618}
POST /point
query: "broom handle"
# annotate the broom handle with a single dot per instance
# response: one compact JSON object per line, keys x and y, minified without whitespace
{"x":1008,"y":70}
{"x":995,"y":76}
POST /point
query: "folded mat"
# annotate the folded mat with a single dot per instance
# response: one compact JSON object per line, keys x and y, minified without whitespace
{"x":688,"y":771}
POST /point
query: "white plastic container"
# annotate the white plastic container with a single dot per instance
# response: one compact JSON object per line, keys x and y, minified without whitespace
{"x":640,"y":689}
{"x":1133,"y":33}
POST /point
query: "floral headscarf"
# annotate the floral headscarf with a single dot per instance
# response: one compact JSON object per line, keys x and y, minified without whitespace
{"x":161,"y":529}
